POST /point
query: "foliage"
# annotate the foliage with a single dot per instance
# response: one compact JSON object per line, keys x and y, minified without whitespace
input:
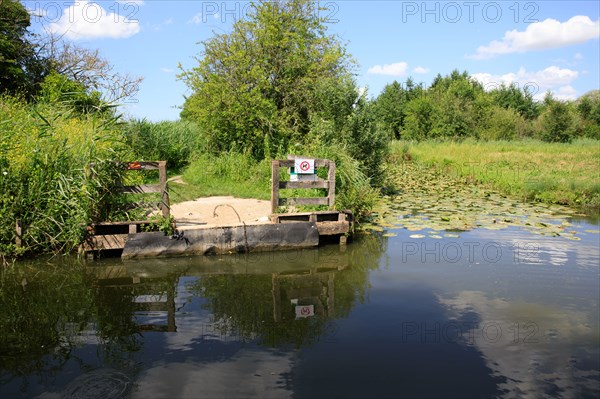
{"x":59,"y":90}
{"x":457,"y":107}
{"x":89,"y":69}
{"x":512,"y":97}
{"x":20,"y":67}
{"x":230,"y":173}
{"x":390,"y":105}
{"x":174,"y":142}
{"x":530,"y":169}
{"x":256,"y":88}
{"x":44,"y":177}
{"x":557,"y":123}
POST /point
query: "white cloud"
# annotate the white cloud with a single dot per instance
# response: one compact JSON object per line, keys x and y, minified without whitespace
{"x":196,"y":19}
{"x":87,"y":20}
{"x":565,"y":93}
{"x":397,"y":69}
{"x":547,"y":34}
{"x":421,"y":70}
{"x":168,"y":21}
{"x":167,"y":70}
{"x":556,"y":79}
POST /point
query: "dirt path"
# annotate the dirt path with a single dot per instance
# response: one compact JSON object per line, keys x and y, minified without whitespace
{"x":219,"y":211}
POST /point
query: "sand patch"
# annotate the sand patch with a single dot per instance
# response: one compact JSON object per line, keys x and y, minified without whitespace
{"x":220,"y":211}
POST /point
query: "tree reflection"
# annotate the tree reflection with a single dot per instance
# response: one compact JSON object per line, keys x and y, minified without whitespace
{"x":44,"y":309}
{"x":265,"y":306}
{"x":48,"y":311}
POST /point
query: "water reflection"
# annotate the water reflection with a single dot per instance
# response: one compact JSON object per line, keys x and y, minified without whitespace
{"x":531,"y":345}
{"x":387,"y":317}
{"x":136,"y":318}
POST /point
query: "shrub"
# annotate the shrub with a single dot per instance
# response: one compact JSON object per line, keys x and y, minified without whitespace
{"x":174,"y":142}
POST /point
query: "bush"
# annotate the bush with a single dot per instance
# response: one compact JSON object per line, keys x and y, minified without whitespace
{"x":44,"y":155}
{"x":557,"y":123}
{"x":505,"y":124}
{"x":174,"y":142}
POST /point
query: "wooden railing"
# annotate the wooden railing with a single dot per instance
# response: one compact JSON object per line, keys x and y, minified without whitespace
{"x":328,"y":184}
{"x":161,"y":187}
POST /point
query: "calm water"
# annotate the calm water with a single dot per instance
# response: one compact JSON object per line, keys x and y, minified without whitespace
{"x":489,"y":314}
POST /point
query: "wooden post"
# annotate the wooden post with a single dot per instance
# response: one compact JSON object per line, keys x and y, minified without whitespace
{"x":331,"y":191}
{"x":164,"y":204}
{"x":330,"y":294}
{"x":171,"y":308}
{"x":274,"y":186}
{"x":19,"y":237}
{"x":276,"y":293}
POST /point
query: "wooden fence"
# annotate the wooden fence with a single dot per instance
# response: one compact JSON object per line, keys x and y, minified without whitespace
{"x":161,"y":187}
{"x":318,"y":182}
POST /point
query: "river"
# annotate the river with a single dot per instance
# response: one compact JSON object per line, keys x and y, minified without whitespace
{"x":483,"y":313}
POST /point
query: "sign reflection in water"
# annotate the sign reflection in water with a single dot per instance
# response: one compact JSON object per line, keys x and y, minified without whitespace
{"x":385,"y":317}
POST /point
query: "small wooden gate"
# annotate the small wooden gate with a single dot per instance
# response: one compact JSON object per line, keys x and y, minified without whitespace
{"x":113,"y":235}
{"x":161,"y":187}
{"x":318,"y":182}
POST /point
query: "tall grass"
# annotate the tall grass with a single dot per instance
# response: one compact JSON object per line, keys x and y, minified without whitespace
{"x":230,"y":173}
{"x":563,"y":173}
{"x":174,"y":142}
{"x":45,"y":183}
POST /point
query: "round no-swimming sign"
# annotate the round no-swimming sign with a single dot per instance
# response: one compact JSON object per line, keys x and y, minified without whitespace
{"x":304,"y":166}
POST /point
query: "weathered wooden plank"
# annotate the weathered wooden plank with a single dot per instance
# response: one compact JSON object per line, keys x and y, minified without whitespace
{"x":304,"y":201}
{"x":125,"y":223}
{"x":332,"y":228}
{"x":331,"y":179}
{"x":162,"y":178}
{"x":105,"y":242}
{"x":283,"y":215}
{"x":141,"y":189}
{"x":304,"y":184}
{"x":141,"y":165}
{"x":19,"y":231}
{"x":289,"y":163}
{"x":274,"y":186}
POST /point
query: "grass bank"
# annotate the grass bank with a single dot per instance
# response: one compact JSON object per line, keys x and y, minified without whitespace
{"x":531,"y":170}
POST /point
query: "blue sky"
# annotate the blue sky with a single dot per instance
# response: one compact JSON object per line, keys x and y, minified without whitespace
{"x":546,"y":45}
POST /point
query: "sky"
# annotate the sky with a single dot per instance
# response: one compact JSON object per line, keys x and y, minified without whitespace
{"x":542,"y":45}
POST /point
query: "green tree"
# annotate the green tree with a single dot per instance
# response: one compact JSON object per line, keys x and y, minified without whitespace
{"x":513,"y":97}
{"x":587,"y":109}
{"x":557,"y":122}
{"x":256,"y":88}
{"x":390,"y":105}
{"x":20,"y":67}
{"x":58,"y":89}
{"x":420,"y":119}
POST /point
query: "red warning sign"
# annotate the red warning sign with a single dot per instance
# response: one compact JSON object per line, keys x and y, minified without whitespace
{"x":305,"y":311}
{"x":304,"y":166}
